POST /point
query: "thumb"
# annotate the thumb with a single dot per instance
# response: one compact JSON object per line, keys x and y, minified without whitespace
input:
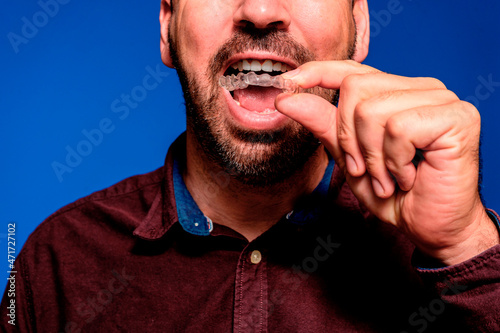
{"x":314,"y":113}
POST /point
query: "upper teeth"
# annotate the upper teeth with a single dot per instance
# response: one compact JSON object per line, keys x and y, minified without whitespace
{"x":259,"y":65}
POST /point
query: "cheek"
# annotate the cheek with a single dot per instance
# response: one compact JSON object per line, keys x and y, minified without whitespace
{"x":326,"y":30}
{"x":195,"y":27}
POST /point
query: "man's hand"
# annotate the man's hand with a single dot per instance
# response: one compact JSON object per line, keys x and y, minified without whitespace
{"x":374,"y":134}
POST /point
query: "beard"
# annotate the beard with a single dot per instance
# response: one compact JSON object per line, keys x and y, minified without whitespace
{"x":256,"y":158}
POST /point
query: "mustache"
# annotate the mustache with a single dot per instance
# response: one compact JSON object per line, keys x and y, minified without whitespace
{"x":251,"y":39}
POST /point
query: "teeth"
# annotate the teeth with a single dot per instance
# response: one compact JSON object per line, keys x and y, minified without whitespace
{"x":267,"y":66}
{"x":246,"y":65}
{"x":267,"y":111}
{"x":257,"y":66}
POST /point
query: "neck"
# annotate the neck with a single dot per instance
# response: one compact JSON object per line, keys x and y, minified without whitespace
{"x":244,"y":208}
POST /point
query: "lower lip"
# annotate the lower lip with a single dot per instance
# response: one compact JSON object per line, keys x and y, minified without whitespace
{"x":253,"y":120}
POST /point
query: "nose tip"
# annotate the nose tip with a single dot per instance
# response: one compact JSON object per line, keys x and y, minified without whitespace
{"x":262,"y":14}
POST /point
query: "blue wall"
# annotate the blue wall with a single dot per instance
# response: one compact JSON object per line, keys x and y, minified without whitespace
{"x":68,"y":75}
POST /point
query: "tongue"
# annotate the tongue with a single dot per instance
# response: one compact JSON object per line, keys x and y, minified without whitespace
{"x":259,"y":99}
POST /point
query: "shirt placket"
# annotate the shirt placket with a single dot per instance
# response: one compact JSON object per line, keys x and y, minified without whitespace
{"x":251,"y":289}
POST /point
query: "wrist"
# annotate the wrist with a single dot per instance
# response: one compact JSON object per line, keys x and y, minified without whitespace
{"x":483,"y":234}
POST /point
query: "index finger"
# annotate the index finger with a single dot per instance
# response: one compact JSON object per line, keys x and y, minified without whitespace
{"x":326,"y":74}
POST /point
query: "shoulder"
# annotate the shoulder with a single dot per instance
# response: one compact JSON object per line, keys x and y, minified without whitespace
{"x":112,"y":212}
{"x":81,"y":246}
{"x":132,"y":187}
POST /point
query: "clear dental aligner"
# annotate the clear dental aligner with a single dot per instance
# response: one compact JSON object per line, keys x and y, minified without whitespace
{"x":242,"y":81}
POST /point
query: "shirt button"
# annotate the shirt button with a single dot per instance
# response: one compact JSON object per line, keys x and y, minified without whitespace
{"x":255,"y":257}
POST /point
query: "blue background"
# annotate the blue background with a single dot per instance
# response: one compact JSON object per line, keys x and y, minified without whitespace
{"x":64,"y":79}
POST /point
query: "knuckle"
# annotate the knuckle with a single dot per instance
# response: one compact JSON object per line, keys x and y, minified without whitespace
{"x":346,"y":140}
{"x":469,"y":113}
{"x":471,"y":110}
{"x":451,"y":95}
{"x":363,"y":112}
{"x":391,"y":164}
{"x":395,"y":127}
{"x":351,"y":82}
{"x":437,"y":84}
{"x":344,"y":136}
{"x":374,"y":163}
{"x":372,"y":159}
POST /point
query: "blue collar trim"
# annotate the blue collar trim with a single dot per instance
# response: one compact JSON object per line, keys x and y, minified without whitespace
{"x":190,"y":216}
{"x":193,"y":221}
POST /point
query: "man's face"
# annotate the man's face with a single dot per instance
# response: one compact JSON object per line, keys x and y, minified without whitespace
{"x":241,"y":130}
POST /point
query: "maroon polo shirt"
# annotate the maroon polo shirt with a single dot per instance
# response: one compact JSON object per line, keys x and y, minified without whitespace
{"x":120,"y":261}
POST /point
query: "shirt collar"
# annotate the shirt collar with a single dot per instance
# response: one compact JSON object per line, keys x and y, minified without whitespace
{"x":162,"y":214}
{"x":173,"y":202}
{"x":190,"y":216}
{"x":193,"y":221}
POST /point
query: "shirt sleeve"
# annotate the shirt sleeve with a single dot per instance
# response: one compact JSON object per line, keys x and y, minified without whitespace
{"x":470,"y":289}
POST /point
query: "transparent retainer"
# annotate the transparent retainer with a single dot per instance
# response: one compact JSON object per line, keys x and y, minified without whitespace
{"x":242,"y":81}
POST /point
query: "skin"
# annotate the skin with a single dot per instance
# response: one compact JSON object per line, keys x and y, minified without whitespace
{"x":380,"y":120}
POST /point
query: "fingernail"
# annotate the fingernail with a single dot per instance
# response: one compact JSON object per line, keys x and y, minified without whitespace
{"x":351,"y":164}
{"x":291,"y":74}
{"x":379,"y":190}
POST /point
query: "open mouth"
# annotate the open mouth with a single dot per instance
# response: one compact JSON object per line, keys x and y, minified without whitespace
{"x":260,"y":94}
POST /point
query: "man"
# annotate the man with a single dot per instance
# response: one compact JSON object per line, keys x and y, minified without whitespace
{"x":279,"y":212}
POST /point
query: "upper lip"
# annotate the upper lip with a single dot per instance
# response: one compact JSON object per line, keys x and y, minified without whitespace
{"x":258,"y":56}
